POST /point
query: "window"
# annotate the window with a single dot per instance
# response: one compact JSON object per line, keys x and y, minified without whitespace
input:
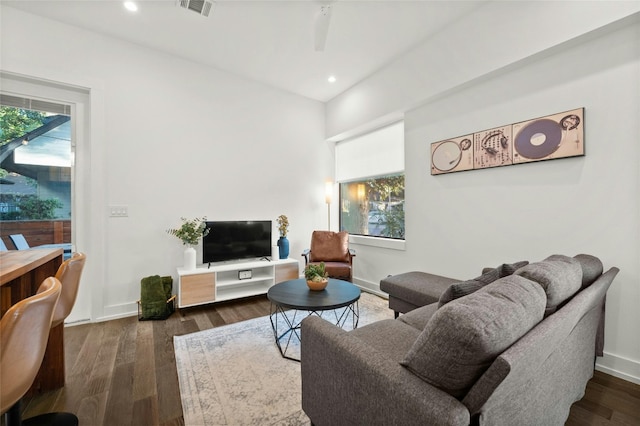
{"x":370,"y":170}
{"x":373,"y":207}
{"x":35,"y":169}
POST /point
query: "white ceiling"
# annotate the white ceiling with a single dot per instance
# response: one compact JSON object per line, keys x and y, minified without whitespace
{"x":269,"y":41}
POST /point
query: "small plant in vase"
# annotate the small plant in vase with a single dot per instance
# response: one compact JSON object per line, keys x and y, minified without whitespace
{"x":283,"y":242}
{"x":190,"y":232}
{"x":316,"y":276}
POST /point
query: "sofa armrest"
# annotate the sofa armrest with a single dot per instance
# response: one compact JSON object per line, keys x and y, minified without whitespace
{"x":346,"y":381}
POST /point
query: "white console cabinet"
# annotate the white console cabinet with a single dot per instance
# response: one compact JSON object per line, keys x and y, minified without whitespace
{"x":232,"y":280}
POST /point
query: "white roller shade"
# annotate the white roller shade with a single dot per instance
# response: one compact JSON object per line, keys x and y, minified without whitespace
{"x":34,"y":104}
{"x":378,"y":153}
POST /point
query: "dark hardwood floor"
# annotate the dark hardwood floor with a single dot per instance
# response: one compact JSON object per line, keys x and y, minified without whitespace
{"x":122,"y":372}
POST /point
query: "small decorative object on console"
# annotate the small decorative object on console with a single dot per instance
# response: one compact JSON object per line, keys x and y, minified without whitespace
{"x":189,"y":233}
{"x":244,"y":274}
{"x":283,"y":242}
{"x":316,"y":276}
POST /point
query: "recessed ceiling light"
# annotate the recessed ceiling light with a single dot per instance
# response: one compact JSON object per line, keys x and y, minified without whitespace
{"x":332,"y":79}
{"x":131,"y":6}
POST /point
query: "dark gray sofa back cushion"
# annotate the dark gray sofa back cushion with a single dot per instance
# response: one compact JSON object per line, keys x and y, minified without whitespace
{"x":463,"y":337}
{"x":560,"y":277}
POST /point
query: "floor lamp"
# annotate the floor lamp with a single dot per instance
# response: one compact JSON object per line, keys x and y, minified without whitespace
{"x":328,"y":191}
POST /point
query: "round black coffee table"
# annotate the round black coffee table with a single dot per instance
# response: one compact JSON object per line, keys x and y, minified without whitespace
{"x":292,"y":301}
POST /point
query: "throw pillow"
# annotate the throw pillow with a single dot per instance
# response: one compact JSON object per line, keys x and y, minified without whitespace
{"x":457,"y":290}
{"x":560,"y":277}
{"x":464,"y":337}
{"x":507,"y":269}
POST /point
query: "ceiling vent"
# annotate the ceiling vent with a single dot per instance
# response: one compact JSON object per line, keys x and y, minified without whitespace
{"x":202,"y":7}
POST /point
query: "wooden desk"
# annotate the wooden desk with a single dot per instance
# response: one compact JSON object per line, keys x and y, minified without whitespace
{"x":21,"y":273}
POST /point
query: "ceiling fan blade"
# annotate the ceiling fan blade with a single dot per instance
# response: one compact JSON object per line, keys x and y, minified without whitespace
{"x":322,"y":27}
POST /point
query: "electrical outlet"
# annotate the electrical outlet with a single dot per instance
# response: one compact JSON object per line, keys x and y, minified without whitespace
{"x":118,"y":211}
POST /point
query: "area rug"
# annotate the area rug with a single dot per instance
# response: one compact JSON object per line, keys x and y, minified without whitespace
{"x":235,"y":375}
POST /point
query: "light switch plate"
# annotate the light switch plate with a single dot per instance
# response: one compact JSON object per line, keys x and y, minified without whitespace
{"x":118,"y":211}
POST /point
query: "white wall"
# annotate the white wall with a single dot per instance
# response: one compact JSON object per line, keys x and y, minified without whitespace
{"x":495,"y":35}
{"x":580,"y":205}
{"x":171,"y":138}
{"x":461,"y":222}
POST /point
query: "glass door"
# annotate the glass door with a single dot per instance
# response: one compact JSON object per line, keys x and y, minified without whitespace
{"x":36,"y":160}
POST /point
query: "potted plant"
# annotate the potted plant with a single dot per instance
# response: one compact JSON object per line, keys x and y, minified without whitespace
{"x":283,"y":242}
{"x":190,"y":232}
{"x":316,"y":276}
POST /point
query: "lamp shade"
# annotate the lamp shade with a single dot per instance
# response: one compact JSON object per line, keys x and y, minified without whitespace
{"x":328,"y":192}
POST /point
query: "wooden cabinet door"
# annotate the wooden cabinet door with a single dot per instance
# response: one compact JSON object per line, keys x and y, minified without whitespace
{"x":197,"y":289}
{"x":287,"y":271}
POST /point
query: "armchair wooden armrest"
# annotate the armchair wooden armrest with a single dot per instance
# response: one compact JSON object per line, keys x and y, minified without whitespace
{"x":306,"y":254}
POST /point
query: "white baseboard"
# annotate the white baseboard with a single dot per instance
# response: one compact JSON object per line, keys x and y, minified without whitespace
{"x":623,"y":368}
{"x":122,"y":310}
{"x":370,"y":287}
{"x":78,"y":322}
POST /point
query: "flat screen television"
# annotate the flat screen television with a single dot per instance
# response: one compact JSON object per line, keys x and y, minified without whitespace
{"x":236,"y":240}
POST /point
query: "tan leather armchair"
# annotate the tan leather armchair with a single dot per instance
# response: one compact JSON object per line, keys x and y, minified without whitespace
{"x":332,"y":248}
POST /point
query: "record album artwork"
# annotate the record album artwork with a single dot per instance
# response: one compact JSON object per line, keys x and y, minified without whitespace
{"x":555,"y":136}
{"x":452,"y":155}
{"x":492,"y":148}
{"x":559,"y":135}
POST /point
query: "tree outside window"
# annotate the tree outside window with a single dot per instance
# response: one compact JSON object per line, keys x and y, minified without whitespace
{"x":373,"y":207}
{"x":32,"y":191}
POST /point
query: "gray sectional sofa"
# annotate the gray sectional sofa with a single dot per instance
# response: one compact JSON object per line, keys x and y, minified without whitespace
{"x":515,"y":345}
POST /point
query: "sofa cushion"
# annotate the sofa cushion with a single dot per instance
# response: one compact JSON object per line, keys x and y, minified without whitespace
{"x":391,"y":337}
{"x":560,"y":277}
{"x":418,"y":318}
{"x":329,"y":246}
{"x":591,"y":268}
{"x":418,"y":288}
{"x":488,"y":276}
{"x":464,"y":337}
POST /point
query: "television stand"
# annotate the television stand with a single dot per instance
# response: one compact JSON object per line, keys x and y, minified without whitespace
{"x":220,"y":282}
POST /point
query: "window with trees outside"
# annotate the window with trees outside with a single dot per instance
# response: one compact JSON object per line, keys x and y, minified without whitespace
{"x":373,"y":207}
{"x":370,"y":171}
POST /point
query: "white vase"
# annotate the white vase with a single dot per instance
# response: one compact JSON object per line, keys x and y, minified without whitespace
{"x":189,"y":258}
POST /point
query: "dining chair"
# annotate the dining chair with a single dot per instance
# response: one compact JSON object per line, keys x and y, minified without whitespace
{"x":69,"y":274}
{"x":24,"y":332}
{"x":19,"y":241}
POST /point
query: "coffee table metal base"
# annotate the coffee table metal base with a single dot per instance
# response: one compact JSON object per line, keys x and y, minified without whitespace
{"x":286,"y":323}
